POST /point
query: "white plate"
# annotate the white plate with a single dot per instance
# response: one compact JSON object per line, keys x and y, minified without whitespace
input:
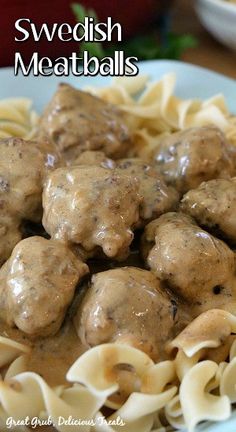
{"x":192,"y":81}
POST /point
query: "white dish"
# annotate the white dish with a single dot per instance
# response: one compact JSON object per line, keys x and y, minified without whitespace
{"x":192,"y":81}
{"x":219,"y":18}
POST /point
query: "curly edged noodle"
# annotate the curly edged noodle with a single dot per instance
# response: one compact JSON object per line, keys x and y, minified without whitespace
{"x":17,"y":118}
{"x":158,"y":111}
{"x":206,"y":388}
{"x":94,"y":381}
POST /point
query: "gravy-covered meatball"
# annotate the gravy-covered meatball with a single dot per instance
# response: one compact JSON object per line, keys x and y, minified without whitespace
{"x":76,"y":121}
{"x":213,"y":205}
{"x":97,"y":158}
{"x":188,"y":158}
{"x":10,"y":234}
{"x":232,"y":153}
{"x":158,"y":198}
{"x":127,"y":305}
{"x":196,"y":266}
{"x":37,"y":285}
{"x":22,"y":171}
{"x":92,"y":206}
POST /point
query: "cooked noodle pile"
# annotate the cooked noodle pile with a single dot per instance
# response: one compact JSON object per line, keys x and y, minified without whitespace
{"x":158,"y":111}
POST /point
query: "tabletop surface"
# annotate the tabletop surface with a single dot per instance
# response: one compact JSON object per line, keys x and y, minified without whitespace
{"x":209,"y":53}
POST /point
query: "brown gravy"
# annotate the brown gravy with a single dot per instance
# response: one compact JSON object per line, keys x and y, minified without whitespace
{"x":50,"y":357}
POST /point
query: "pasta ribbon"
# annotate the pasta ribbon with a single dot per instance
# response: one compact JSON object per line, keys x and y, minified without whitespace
{"x":105,"y":358}
{"x":208,"y":330}
{"x":183,"y":363}
{"x":197,"y":403}
{"x":173,"y":413}
{"x":10,"y":350}
{"x":29,"y":395}
{"x":157,"y":110}
{"x":17,"y":119}
{"x":228,"y":381}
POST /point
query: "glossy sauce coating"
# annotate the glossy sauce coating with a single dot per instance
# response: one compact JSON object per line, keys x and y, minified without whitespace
{"x":189,"y":157}
{"x":213,"y":205}
{"x":127,"y":305}
{"x":95,"y":158}
{"x":22,"y":172}
{"x":37,"y":285}
{"x":76,"y":121}
{"x":157,"y":197}
{"x":23,"y":166}
{"x":10,"y":234}
{"x":92,"y":206}
{"x":49,"y":356}
{"x":198,"y":267}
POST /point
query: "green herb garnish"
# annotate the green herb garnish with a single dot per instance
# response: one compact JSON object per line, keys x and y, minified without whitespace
{"x":145,"y":47}
{"x":94,"y":48}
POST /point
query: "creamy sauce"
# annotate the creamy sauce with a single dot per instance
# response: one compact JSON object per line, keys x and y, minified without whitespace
{"x":50,"y":357}
{"x":75,"y":121}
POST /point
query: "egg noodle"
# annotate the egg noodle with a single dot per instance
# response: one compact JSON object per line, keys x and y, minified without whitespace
{"x":158,"y":111}
{"x":199,"y":382}
{"x":169,"y":395}
{"x":17,"y":118}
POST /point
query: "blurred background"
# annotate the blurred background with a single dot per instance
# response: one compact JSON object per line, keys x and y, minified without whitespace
{"x":153,"y":29}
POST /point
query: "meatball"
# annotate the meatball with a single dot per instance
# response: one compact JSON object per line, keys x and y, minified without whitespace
{"x":97,"y":158}
{"x":232,"y":153}
{"x":127,"y":305}
{"x":188,"y":158}
{"x":76,"y":121}
{"x":158,"y":198}
{"x":213,"y":205}
{"x":196,"y":266}
{"x":93,"y":207}
{"x":22,"y":171}
{"x":37,"y":285}
{"x":10,"y":234}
